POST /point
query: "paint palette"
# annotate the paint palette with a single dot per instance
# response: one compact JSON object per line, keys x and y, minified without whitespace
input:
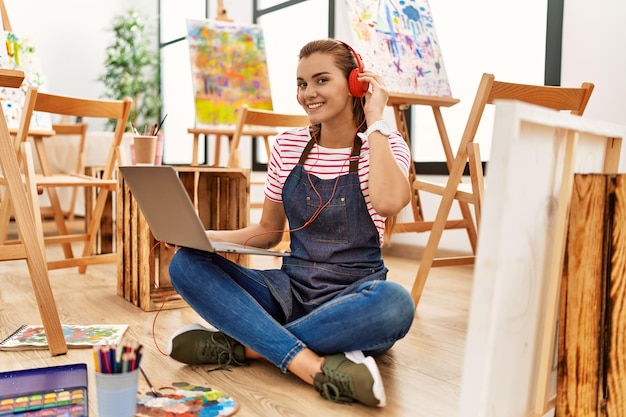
{"x":57,"y":391}
{"x":188,"y":400}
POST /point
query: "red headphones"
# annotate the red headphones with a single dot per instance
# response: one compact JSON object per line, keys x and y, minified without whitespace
{"x":356,"y":87}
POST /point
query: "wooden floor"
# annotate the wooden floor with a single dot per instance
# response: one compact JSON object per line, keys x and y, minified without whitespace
{"x":421,"y":373}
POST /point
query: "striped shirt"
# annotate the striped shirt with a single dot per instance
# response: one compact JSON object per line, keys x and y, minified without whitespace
{"x":327,"y":163}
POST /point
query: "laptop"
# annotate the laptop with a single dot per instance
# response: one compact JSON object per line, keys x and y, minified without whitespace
{"x":170,"y":213}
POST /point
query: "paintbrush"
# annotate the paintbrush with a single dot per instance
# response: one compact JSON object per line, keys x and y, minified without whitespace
{"x":155,"y":393}
{"x":160,"y":124}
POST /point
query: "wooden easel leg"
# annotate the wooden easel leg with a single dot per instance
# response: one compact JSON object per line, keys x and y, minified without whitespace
{"x":416,"y":206}
{"x":194,"y":155}
{"x":218,"y":150}
{"x":59,"y":219}
{"x":5,"y":215}
{"x":447,"y":149}
{"x":33,"y":243}
{"x":94,"y":226}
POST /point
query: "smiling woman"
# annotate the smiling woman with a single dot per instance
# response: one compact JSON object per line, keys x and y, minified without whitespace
{"x":334,"y":185}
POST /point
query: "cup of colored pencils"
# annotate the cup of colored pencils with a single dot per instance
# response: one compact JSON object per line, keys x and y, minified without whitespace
{"x":117,"y":378}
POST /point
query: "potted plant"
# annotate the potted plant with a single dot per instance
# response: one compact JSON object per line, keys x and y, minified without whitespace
{"x":132,"y":68}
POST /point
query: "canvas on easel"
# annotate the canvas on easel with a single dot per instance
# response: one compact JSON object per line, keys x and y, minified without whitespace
{"x":229,"y":69}
{"x":397,"y":40}
{"x":20,"y":54}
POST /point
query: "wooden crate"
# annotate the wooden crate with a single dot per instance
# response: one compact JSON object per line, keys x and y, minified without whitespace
{"x":221,"y":196}
{"x":591,"y":349}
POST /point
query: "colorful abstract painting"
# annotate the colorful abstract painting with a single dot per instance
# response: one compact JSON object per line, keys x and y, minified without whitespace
{"x":397,"y":39}
{"x":22,"y":55}
{"x":228,"y":68}
{"x":33,"y":336}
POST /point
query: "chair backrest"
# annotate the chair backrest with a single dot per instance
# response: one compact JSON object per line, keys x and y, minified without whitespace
{"x":264,"y":118}
{"x":258,"y":117}
{"x":573,"y":99}
{"x":80,"y":107}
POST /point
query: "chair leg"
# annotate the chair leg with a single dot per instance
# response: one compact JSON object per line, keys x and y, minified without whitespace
{"x":472,"y":235}
{"x":94,"y":225}
{"x":429,"y":254}
{"x":31,"y":189}
{"x":59,"y":219}
{"x":477,"y":177}
{"x":436,"y":232}
{"x":29,"y":227}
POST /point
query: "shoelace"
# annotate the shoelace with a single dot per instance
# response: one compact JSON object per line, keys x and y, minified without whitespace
{"x":335,"y":385}
{"x":223,"y":352}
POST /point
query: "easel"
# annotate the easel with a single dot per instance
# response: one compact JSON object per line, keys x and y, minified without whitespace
{"x":28,"y":220}
{"x":221,"y":12}
{"x":224,"y":131}
{"x":29,"y":226}
{"x":222,"y":15}
{"x":402,"y":102}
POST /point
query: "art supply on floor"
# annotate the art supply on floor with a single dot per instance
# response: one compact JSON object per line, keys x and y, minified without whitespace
{"x":117,"y":378}
{"x":50,"y":391}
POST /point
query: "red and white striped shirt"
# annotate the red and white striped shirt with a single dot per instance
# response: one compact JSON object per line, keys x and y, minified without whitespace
{"x":327,"y":163}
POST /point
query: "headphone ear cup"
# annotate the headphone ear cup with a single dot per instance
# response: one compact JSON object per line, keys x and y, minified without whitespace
{"x":356,"y":87}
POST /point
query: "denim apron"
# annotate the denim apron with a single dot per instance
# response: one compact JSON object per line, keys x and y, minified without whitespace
{"x":334,"y":254}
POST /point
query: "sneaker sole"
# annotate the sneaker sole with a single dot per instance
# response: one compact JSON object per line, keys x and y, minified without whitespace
{"x":378,"y":388}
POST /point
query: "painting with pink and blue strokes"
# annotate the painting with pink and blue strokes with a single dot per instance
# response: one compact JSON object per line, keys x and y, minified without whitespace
{"x":185,"y":400}
{"x":229,"y":69}
{"x":397,"y":39}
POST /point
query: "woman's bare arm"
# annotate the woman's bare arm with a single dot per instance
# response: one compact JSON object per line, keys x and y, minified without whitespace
{"x":266,"y":234}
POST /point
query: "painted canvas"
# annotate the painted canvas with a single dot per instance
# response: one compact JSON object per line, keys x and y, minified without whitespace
{"x":228,"y":68}
{"x":397,"y":39}
{"x":22,"y":55}
{"x":4,"y":56}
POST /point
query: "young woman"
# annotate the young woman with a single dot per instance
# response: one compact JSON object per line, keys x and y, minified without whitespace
{"x":328,"y":310}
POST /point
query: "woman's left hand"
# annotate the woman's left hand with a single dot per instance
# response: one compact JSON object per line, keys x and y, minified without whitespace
{"x":376,"y":97}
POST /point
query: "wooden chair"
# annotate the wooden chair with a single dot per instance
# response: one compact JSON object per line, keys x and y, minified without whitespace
{"x":28,"y":223}
{"x":80,"y":107}
{"x":253,"y":117}
{"x":262,"y":118}
{"x":80,"y":131}
{"x":558,"y":98}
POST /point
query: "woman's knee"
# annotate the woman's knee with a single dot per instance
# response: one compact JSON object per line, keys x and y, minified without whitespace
{"x":180,"y":266}
{"x":399,"y":307}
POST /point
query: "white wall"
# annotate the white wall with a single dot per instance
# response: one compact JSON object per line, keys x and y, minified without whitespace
{"x":71,"y":37}
{"x":594,"y":41}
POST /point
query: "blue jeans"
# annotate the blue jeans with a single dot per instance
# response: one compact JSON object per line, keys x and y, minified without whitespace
{"x":237,"y":301}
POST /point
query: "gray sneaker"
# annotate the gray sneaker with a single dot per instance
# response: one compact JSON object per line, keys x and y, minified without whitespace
{"x":196,"y":345}
{"x":349,"y":377}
